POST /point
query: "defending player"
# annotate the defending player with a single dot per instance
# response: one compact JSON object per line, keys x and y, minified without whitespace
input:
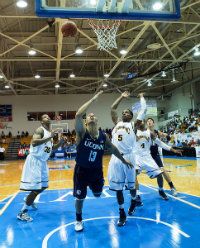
{"x":90,"y":149}
{"x":155,"y":155}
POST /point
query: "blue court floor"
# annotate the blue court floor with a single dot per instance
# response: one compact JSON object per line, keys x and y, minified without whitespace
{"x":158,"y":224}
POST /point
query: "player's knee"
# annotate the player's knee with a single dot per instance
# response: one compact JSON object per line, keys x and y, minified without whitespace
{"x":97,"y":194}
{"x":80,"y":199}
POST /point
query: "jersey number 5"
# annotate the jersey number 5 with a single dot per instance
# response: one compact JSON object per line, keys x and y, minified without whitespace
{"x":120,"y":137}
{"x":143,"y":145}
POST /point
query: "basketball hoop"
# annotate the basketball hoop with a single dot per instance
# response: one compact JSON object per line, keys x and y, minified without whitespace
{"x":106,"y":31}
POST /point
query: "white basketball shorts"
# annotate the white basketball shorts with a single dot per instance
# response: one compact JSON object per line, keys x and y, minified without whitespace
{"x":147,"y":163}
{"x":35,"y":174}
{"x":119,"y":175}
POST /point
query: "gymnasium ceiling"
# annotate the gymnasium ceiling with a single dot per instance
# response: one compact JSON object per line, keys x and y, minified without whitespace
{"x":21,"y":29}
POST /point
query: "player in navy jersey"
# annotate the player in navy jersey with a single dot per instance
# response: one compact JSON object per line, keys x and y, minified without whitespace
{"x":155,"y":155}
{"x":88,"y":171}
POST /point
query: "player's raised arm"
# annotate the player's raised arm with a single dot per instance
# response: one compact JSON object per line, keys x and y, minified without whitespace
{"x":114,"y":106}
{"x":79,"y":122}
{"x":142,"y":112}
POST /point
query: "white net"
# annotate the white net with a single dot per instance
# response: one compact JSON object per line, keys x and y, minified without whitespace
{"x":106,"y":31}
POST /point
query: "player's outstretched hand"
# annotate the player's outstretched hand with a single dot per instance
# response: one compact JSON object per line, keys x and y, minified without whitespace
{"x":179,"y":152}
{"x":141,"y":94}
{"x":125,"y":94}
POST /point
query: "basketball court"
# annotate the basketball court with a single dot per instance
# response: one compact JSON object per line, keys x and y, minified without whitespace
{"x":159,"y":223}
{"x":78,"y":48}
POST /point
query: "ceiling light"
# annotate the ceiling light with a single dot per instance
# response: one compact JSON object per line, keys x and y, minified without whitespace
{"x":72,"y":75}
{"x":22,"y":4}
{"x":1,"y":76}
{"x":105,"y":85}
{"x":106,"y":75}
{"x":57,"y":85}
{"x":32,"y":52}
{"x":6,"y":86}
{"x":173,"y":77}
{"x":149,"y":83}
{"x":157,"y":6}
{"x":123,"y":52}
{"x":154,"y":46}
{"x":79,"y":51}
{"x":37,"y":76}
{"x":197,"y":52}
{"x":163,"y":74}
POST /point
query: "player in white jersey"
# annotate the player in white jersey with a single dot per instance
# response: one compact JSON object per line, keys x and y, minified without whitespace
{"x":35,"y":174}
{"x":123,"y":137}
{"x":144,"y":159}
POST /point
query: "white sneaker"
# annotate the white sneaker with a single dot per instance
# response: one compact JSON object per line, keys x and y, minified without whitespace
{"x":174,"y":192}
{"x":24,"y":216}
{"x":78,"y":226}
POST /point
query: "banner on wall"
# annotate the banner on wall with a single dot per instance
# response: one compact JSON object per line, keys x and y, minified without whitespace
{"x":6,"y":113}
{"x":151,"y":108}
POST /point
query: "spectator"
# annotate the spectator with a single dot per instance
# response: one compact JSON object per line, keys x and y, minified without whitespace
{"x":2,"y":150}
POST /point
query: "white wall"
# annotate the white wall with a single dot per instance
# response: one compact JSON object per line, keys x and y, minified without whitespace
{"x":180,"y":100}
{"x":23,"y":104}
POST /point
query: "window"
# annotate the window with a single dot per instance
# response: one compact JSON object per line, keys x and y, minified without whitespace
{"x":5,"y":113}
{"x":71,"y":115}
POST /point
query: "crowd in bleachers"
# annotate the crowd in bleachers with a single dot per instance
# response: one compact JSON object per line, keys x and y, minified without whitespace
{"x":184,"y":132}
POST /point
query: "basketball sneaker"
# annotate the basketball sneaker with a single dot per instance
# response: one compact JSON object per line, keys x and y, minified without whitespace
{"x":139,"y":202}
{"x":23,"y":215}
{"x":122,"y":218}
{"x":163,"y":195}
{"x":174,"y":192}
{"x":132,"y":207}
{"x":78,"y":226}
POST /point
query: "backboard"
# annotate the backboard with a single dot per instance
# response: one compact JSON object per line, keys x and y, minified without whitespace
{"x":110,"y":9}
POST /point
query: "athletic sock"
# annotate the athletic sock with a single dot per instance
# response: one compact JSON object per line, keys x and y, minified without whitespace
{"x":78,"y":217}
{"x":171,"y":185}
{"x":24,"y":208}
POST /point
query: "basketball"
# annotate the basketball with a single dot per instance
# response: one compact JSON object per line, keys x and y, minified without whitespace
{"x":69,"y":28}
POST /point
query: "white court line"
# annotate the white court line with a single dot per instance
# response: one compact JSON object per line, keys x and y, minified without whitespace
{"x":176,"y":198}
{"x":46,"y":238}
{"x":5,"y":198}
{"x":8,"y":203}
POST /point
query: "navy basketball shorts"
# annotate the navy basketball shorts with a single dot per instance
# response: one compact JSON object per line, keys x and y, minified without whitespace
{"x":158,"y":160}
{"x":84,"y":177}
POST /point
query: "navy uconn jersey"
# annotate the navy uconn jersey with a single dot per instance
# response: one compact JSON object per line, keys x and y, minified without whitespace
{"x":90,"y":151}
{"x":154,"y":147}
